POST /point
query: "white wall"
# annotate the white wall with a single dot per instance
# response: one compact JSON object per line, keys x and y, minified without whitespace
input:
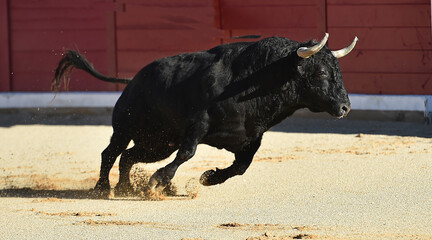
{"x":421,"y":103}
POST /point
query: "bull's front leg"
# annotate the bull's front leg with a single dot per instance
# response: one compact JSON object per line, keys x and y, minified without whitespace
{"x":195,"y":132}
{"x":241,"y":163}
{"x":162,"y":177}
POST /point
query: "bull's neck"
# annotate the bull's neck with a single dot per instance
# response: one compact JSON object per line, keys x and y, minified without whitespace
{"x":278,"y":85}
{"x":289,"y":102}
{"x":277,"y":105}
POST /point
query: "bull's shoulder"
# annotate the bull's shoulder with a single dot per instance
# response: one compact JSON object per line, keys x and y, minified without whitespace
{"x":229,"y":48}
{"x":264,"y":52}
{"x":199,"y":67}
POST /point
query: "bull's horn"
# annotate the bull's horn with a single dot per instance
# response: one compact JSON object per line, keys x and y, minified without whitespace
{"x":345,"y":51}
{"x":305,"y":52}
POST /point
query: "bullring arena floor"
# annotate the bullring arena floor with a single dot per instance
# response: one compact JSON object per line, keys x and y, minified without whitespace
{"x":311,"y":179}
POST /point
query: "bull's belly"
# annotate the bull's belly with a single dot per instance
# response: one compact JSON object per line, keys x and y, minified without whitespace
{"x":227,"y":137}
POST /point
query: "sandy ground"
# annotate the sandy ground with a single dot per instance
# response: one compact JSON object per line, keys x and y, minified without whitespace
{"x":309,"y":180}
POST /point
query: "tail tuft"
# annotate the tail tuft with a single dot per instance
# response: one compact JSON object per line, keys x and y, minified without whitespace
{"x":72,"y":59}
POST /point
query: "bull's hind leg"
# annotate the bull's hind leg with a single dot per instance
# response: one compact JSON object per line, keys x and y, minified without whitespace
{"x":127,"y":160}
{"x":117,"y":145}
{"x":135,"y":155}
{"x":194,"y":133}
{"x":242,"y":161}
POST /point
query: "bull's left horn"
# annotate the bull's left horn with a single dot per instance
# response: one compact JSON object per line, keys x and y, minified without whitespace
{"x":305,"y":52}
{"x":345,"y":51}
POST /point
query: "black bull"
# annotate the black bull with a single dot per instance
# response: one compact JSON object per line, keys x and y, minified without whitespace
{"x":226,"y":97}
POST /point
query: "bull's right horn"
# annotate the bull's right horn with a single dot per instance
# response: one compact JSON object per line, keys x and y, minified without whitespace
{"x":305,"y":52}
{"x":343,"y":52}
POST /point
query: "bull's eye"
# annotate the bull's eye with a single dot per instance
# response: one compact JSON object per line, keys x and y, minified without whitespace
{"x":322,"y":75}
{"x":322,"y":70}
{"x":322,"y":78}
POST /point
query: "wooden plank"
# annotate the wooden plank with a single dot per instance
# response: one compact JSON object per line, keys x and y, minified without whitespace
{"x":217,"y":5}
{"x":55,"y":4}
{"x":56,"y":41}
{"x":5,"y":77}
{"x":378,"y":16}
{"x":388,"y":83}
{"x":242,"y":3}
{"x":168,"y":3}
{"x":49,"y":14}
{"x":296,"y":34}
{"x":402,"y":38}
{"x":322,"y":16}
{"x":381,"y":61}
{"x":269,"y":17}
{"x":111,"y":42}
{"x":61,"y":20}
{"x":36,"y":82}
{"x":376,"y":2}
{"x":162,"y":18}
{"x":190,"y":40}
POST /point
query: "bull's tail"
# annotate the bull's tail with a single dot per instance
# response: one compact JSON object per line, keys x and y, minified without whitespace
{"x":72,"y":59}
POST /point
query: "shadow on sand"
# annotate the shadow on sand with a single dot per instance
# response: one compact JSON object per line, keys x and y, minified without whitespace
{"x":350,"y":125}
{"x":32,"y":193}
{"x":87,"y":194}
{"x":302,"y":121}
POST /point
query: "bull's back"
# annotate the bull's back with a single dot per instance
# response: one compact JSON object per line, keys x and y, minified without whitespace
{"x":186,"y":82}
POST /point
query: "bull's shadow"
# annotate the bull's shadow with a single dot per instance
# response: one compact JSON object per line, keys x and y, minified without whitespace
{"x":34,"y":193}
{"x":302,"y":121}
{"x":55,"y":116}
{"x":357,"y":122}
{"x":76,"y":195}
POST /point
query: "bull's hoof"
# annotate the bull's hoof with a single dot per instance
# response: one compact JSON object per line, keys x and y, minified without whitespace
{"x":208,"y":178}
{"x":152,"y":195}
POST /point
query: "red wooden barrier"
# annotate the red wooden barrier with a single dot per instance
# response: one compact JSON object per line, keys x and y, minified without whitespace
{"x":40,"y":30}
{"x":5,"y":77}
{"x":297,"y":19}
{"x":393,"y":56}
{"x":153,"y":29}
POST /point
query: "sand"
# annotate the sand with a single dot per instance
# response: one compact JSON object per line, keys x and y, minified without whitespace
{"x":362,"y":180}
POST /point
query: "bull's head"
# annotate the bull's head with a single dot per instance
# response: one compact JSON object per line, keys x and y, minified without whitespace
{"x":322,"y":87}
